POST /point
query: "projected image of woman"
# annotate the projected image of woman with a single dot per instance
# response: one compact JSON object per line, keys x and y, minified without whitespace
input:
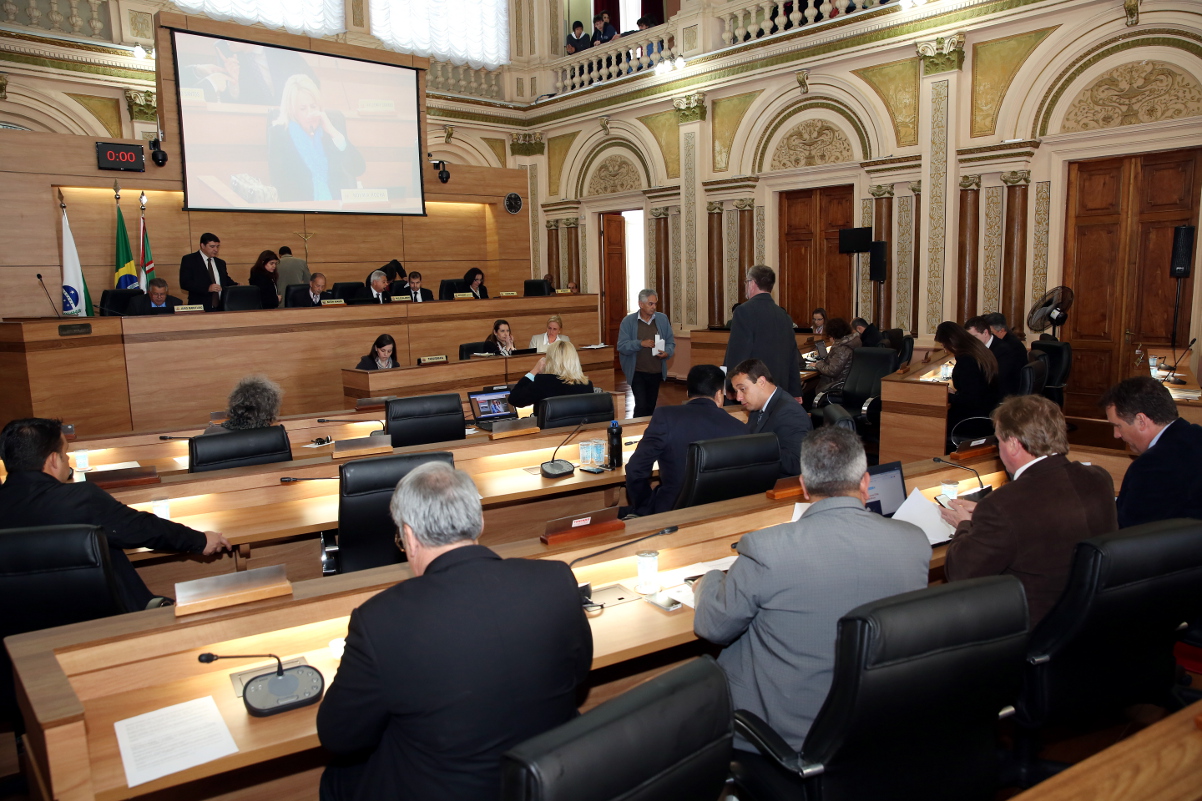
{"x":308,"y":154}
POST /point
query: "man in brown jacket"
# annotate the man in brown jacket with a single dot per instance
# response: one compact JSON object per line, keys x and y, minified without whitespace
{"x":1029,"y":527}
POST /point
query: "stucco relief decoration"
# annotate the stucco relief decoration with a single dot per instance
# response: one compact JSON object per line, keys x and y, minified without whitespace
{"x":904,"y":260}
{"x":614,"y":174}
{"x":811,"y":144}
{"x":1134,"y":93}
{"x":1043,"y":214}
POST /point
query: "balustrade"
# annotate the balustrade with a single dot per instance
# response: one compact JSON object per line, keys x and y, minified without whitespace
{"x":757,"y":19}
{"x":463,"y":80}
{"x":60,"y":16}
{"x":641,"y":51}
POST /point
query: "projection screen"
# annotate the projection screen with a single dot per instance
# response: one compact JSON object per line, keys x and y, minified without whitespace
{"x":273,"y":129}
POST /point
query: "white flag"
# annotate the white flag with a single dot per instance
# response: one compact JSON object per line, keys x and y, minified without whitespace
{"x":76,"y":300}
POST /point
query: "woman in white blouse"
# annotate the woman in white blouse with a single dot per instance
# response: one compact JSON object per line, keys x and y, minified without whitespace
{"x":554,"y":326}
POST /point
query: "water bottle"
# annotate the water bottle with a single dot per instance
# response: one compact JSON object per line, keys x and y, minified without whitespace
{"x":615,"y":445}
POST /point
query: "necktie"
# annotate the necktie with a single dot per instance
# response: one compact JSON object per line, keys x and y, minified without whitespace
{"x":213,"y":272}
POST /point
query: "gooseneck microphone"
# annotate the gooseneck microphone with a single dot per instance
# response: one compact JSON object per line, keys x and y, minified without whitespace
{"x":560,"y":468}
{"x":980,"y":483}
{"x":327,"y":420}
{"x":668,"y":530}
{"x":280,"y":690}
{"x":1171,"y":377}
{"x":207,"y":658}
{"x":291,"y":479}
{"x":57,"y":313}
{"x":165,"y":437}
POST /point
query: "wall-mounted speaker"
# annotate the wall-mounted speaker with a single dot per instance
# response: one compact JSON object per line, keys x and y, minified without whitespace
{"x":878,"y":253}
{"x":854,"y":240}
{"x":1183,"y":251}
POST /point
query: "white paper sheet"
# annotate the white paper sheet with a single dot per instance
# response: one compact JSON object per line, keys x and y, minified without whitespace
{"x":799,"y":509}
{"x":172,"y":739}
{"x":101,"y":468}
{"x":925,"y":514}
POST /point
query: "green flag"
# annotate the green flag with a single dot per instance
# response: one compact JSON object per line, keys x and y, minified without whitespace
{"x":126,"y":273}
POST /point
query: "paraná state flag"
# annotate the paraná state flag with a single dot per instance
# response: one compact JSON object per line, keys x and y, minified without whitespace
{"x":125,"y":274}
{"x":147,"y":260}
{"x":76,"y":300}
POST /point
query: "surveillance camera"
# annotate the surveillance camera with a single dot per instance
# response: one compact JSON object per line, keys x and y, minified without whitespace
{"x":159,"y":157}
{"x":443,"y":175}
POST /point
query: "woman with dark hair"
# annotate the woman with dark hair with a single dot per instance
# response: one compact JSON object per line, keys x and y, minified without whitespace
{"x":473,"y":279}
{"x":264,"y":275}
{"x":253,"y":403}
{"x":837,"y":364}
{"x":382,"y":356}
{"x":974,"y":388}
{"x":500,"y":341}
{"x":818,"y":320}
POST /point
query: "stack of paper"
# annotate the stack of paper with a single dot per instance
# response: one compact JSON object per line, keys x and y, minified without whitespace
{"x":925,"y":514}
{"x":172,"y":739}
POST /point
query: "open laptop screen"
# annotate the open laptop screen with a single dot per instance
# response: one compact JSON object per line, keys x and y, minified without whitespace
{"x":490,"y":405}
{"x":886,"y":488}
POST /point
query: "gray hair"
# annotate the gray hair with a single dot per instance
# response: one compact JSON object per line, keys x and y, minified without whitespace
{"x":376,"y":274}
{"x":832,"y":461}
{"x":647,"y":293}
{"x":441,"y":505}
{"x":253,"y":403}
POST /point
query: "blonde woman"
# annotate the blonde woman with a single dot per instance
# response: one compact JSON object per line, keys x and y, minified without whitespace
{"x":557,"y":373}
{"x":552,"y":334}
{"x":308,"y":154}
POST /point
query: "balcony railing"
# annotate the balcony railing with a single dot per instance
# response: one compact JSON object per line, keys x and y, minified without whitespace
{"x":635,"y":52}
{"x":89,"y":18}
{"x":456,"y":80}
{"x":755,"y":20}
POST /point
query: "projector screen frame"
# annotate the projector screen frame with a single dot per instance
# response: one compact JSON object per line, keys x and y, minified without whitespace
{"x":173,"y":30}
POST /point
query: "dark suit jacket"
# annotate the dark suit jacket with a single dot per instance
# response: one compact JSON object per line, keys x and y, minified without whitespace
{"x":974,"y":396}
{"x":482,"y":290}
{"x":1010,"y":361}
{"x":369,"y":363}
{"x":139,"y":306}
{"x":427,"y":295}
{"x":37,"y":499}
{"x":787,"y":419}
{"x":763,"y":330}
{"x":365,"y":292}
{"x":268,"y":290}
{"x":1029,"y":528}
{"x":871,"y":337}
{"x":195,"y":279}
{"x":531,"y":393}
{"x":1165,"y":481}
{"x":445,"y":672}
{"x":667,"y":438}
{"x":291,"y":176}
{"x":305,"y":301}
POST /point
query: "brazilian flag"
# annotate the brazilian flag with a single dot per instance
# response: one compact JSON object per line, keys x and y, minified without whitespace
{"x":126,"y":274}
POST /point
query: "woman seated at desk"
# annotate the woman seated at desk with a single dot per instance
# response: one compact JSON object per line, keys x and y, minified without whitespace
{"x":253,"y":403}
{"x":500,"y":341}
{"x":473,"y":279}
{"x":265,"y":275}
{"x":833,"y":370}
{"x":974,"y":388}
{"x":541,"y":341}
{"x":382,"y":356}
{"x":557,"y":373}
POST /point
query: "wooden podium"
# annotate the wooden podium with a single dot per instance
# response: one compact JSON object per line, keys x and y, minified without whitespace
{"x":71,"y":368}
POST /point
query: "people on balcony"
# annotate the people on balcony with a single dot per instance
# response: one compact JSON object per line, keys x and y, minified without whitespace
{"x":603,"y":32}
{"x":577,"y":42}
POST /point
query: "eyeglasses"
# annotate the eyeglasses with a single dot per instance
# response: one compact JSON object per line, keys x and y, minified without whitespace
{"x":400,"y":541}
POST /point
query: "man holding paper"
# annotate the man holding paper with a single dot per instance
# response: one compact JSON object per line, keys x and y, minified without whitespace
{"x":645,"y":343}
{"x":1029,"y":527}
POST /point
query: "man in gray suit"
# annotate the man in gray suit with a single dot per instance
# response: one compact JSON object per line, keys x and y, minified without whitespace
{"x":777,"y":609}
{"x":762,"y":330}
{"x":291,"y":270}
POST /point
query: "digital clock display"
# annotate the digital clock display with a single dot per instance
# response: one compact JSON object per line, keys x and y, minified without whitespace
{"x":117,"y":156}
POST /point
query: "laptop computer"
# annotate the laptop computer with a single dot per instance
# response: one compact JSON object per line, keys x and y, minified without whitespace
{"x":819,"y":351}
{"x":489,"y":407}
{"x":886,"y":488}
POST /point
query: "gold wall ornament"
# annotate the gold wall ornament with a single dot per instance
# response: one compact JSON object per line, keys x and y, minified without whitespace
{"x":994,"y":65}
{"x":1016,"y":177}
{"x":664,"y":127}
{"x":552,"y":224}
{"x":992,"y":263}
{"x":1043,"y":217}
{"x":614,"y":174}
{"x":141,"y":105}
{"x":1134,"y":93}
{"x":970,"y":183}
{"x":744,"y":204}
{"x":713,"y":207}
{"x":881,"y":190}
{"x":527,"y":143}
{"x":497,"y":146}
{"x":141,"y":24}
{"x":728,"y":113}
{"x":3,"y":87}
{"x":897,"y":85}
{"x":688,"y":230}
{"x":916,"y":187}
{"x":570,"y":222}
{"x":944,"y":54}
{"x":448,"y":131}
{"x":1131,"y":10}
{"x":659,"y":211}
{"x":904,"y":261}
{"x":803,"y":81}
{"x":107,"y":110}
{"x":558,"y":148}
{"x":604,"y":124}
{"x":937,"y":205}
{"x":811,"y":143}
{"x":690,"y":108}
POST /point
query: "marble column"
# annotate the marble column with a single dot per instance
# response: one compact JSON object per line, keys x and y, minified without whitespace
{"x":916,"y":190}
{"x":746,"y":210}
{"x":717,"y":300}
{"x":882,"y":231}
{"x":1014,"y":250}
{"x":553,"y":249}
{"x":967,"y":247}
{"x":573,"y":226}
{"x":662,"y":256}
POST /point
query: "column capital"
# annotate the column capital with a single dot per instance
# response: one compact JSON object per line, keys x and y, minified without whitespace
{"x":916,"y":187}
{"x":943,"y":54}
{"x":1016,"y":177}
{"x":527,"y":143}
{"x":713,"y":206}
{"x":552,"y":224}
{"x":745,"y":204}
{"x":881,"y":190}
{"x":659,"y":211}
{"x":970,"y":183}
{"x":690,"y":108}
{"x":571,"y":222}
{"x":141,"y":104}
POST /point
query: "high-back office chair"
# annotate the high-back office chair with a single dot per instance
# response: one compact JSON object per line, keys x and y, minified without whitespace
{"x":296,"y":295}
{"x":906,"y":351}
{"x":860,"y":393}
{"x":833,"y":415}
{"x":243,"y":298}
{"x":51,"y":576}
{"x":1032,"y":376}
{"x":345,"y":290}
{"x":537,"y":287}
{"x":1060,"y":365}
{"x":919,"y":681}
{"x":572,"y":410}
{"x":424,"y":419}
{"x":468,"y":348}
{"x":729,"y":467}
{"x":892,"y":338}
{"x":114,"y":302}
{"x":238,"y":449}
{"x":449,"y":286}
{"x":667,"y":739}
{"x":366,"y":532}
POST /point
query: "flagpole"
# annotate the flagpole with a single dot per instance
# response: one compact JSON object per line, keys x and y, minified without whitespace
{"x":142,"y":244}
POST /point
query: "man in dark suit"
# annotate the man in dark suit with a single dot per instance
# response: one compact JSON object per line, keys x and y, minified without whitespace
{"x":378,"y":289}
{"x":444,"y":672}
{"x":1001,"y":330}
{"x":394,"y":271}
{"x":762,"y":330}
{"x":203,"y":276}
{"x":154,"y":301}
{"x":1029,"y":527}
{"x":870,"y":335}
{"x":668,"y":436}
{"x":1165,"y":481}
{"x":1010,"y":359}
{"x":769,"y":408}
{"x":314,"y":293}
{"x":414,"y":289}
{"x":39,"y":492}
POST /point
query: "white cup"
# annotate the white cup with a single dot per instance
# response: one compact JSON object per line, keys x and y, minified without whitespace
{"x":81,"y":461}
{"x":950,"y":488}
{"x":161,"y":507}
{"x":648,"y":562}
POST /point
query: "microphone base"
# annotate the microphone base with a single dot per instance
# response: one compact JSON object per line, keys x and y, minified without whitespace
{"x":558,"y":468}
{"x":271,"y":694}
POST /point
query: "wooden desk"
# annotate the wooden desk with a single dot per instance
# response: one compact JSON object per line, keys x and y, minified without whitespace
{"x":914,"y":412}
{"x":1189,"y":405}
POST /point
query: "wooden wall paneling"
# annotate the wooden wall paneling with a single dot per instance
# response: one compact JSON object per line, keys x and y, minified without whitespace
{"x":335,"y":237}
{"x":500,"y":275}
{"x":442,"y":327}
{"x":836,"y":209}
{"x":244,"y":235}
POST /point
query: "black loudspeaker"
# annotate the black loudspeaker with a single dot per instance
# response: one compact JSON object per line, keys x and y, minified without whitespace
{"x":855,"y":240}
{"x":1183,"y":251}
{"x":878,"y":252}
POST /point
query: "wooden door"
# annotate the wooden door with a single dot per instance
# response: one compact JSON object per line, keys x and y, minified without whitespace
{"x":1118,"y":242}
{"x":813,"y":273}
{"x":613,"y":276}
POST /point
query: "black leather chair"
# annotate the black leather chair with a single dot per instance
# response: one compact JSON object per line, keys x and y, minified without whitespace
{"x":729,"y":467}
{"x":970,"y":428}
{"x":238,"y":449}
{"x":1108,"y":642}
{"x":1060,"y":365}
{"x":572,"y":410}
{"x":860,"y":393}
{"x":243,"y":298}
{"x":424,"y":419}
{"x":1032,"y":376}
{"x":366,"y":533}
{"x":114,"y":302}
{"x":296,"y":295}
{"x":892,"y":338}
{"x":345,"y":290}
{"x":906,"y":351}
{"x":668,"y":739}
{"x":537,"y":287}
{"x":449,"y":286}
{"x":833,"y":415}
{"x":51,"y":576}
{"x":468,"y":348}
{"x":919,"y":682}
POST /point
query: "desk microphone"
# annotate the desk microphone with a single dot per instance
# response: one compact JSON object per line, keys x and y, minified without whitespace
{"x":668,"y":530}
{"x":560,"y":468}
{"x":1171,"y":377}
{"x":326,"y":420}
{"x":207,"y":658}
{"x":291,"y":479}
{"x":57,"y":313}
{"x":279,"y":691}
{"x":981,"y":490}
{"x":165,"y":437}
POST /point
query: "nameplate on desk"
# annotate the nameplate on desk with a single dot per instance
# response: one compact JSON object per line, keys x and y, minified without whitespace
{"x":366,"y":404}
{"x":576,"y":527}
{"x":333,"y":302}
{"x":74,"y":330}
{"x":124,"y":477}
{"x":563,"y":292}
{"x":464,"y":296}
{"x":402,"y":298}
{"x":230,"y":589}
{"x":361,"y":446}
{"x":788,"y":487}
{"x":503,"y":429}
{"x":431,"y":359}
{"x":193,"y":307}
{"x":509,"y":294}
